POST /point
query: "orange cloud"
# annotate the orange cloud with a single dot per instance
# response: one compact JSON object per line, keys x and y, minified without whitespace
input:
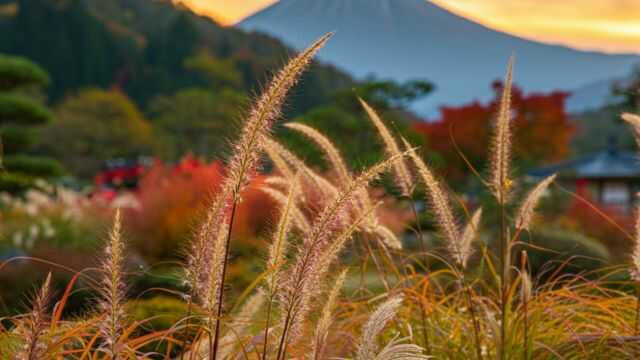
{"x":605,"y":25}
{"x":226,"y":12}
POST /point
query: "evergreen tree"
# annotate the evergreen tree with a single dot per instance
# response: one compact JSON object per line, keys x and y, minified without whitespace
{"x":20,"y":114}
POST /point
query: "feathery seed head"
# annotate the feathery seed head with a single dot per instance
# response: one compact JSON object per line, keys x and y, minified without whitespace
{"x":438,"y":199}
{"x":326,"y":317}
{"x":263,"y":115}
{"x":36,"y":325}
{"x":501,"y":143}
{"x":368,"y":347}
{"x":527,"y":209}
{"x":469,"y":234}
{"x":634,"y":120}
{"x":635,"y":256}
{"x":112,"y":300}
{"x":400,"y":170}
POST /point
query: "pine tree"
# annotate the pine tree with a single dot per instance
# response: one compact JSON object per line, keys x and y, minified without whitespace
{"x":20,"y":115}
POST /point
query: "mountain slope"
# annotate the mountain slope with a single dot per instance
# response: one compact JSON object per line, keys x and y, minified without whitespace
{"x":403,"y":39}
{"x":140,"y":46}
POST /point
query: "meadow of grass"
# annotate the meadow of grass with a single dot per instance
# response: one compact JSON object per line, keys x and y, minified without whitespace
{"x":336,"y":282}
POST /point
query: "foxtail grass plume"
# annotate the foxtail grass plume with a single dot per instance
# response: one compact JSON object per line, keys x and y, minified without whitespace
{"x":299,"y":218}
{"x":398,"y":349}
{"x":311,"y":261}
{"x":439,"y":203}
{"x":328,"y":148}
{"x":326,"y":318}
{"x":528,"y":207}
{"x":279,"y":244}
{"x":634,"y":120}
{"x":368,"y":346}
{"x":388,"y":238}
{"x":501,"y":142}
{"x":635,"y":256}
{"x":36,"y":325}
{"x":469,"y":234}
{"x":334,"y":157}
{"x":401,"y":172}
{"x":112,"y":299}
{"x":263,"y":115}
{"x":275,"y":150}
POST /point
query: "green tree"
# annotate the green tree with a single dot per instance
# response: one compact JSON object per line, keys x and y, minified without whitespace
{"x":220,"y":73}
{"x":346,"y":124}
{"x":96,"y":125}
{"x":197,"y":121}
{"x":20,"y":113}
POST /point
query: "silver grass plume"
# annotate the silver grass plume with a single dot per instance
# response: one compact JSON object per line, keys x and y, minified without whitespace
{"x":400,"y":170}
{"x":469,"y":234}
{"x":528,"y":207}
{"x":439,"y":202}
{"x":326,"y":318}
{"x":112,"y":291}
{"x":501,"y":142}
{"x":368,"y":346}
{"x":36,"y":325}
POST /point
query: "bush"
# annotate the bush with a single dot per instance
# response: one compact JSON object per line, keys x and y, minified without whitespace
{"x":34,"y":166}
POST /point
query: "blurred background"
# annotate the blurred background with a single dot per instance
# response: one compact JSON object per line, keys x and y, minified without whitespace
{"x":132,"y":103}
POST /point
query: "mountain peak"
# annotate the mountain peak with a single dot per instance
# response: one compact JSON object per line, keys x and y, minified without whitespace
{"x":408,"y":39}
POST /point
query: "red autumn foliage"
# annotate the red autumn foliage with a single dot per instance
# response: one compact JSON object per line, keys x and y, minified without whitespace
{"x":610,"y":225}
{"x":542,"y":130}
{"x":170,"y":199}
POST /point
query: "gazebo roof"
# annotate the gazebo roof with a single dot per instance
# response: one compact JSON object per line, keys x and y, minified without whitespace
{"x":608,"y":164}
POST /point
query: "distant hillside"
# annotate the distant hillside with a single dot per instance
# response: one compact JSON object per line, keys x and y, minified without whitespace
{"x":140,"y":46}
{"x":404,"y":39}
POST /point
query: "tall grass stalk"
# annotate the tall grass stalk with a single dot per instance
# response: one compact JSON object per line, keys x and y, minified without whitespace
{"x":501,"y":184}
{"x":242,"y":166}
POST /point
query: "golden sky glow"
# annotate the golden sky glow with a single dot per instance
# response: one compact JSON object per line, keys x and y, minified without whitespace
{"x":606,"y":25}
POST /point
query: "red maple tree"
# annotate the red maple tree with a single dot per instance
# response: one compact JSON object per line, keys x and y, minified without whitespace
{"x":542,"y":130}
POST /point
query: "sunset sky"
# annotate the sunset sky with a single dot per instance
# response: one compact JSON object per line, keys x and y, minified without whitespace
{"x":606,"y":25}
